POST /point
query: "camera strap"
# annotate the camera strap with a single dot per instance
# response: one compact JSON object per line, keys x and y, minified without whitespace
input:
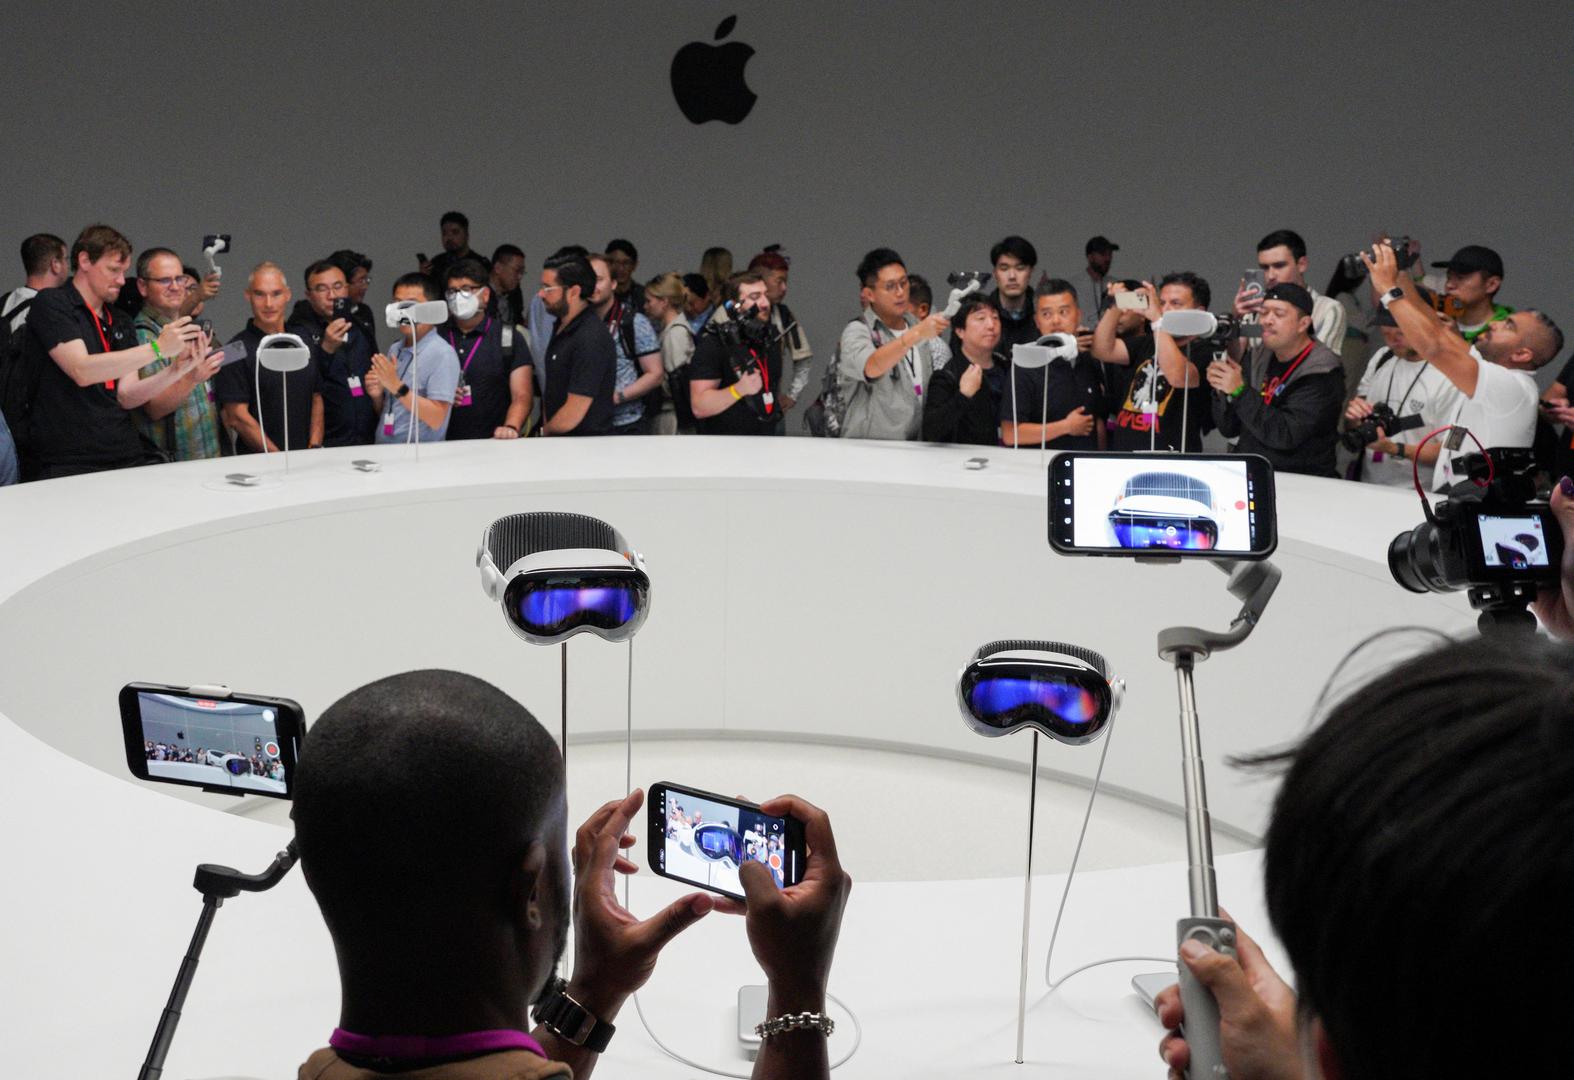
{"x":1398,"y":407}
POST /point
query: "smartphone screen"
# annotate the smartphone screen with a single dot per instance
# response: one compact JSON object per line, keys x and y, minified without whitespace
{"x":1200,"y":505}
{"x":239,"y":744}
{"x":702,"y":839}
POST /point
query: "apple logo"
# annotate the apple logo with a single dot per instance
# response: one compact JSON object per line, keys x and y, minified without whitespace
{"x":707,"y":80}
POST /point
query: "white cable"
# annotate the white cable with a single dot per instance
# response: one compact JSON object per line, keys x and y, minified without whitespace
{"x":628,"y":775}
{"x":1056,"y":984}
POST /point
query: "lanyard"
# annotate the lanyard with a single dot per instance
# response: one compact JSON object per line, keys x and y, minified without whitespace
{"x":1399,"y":406}
{"x":102,"y":337}
{"x":418,"y":1047}
{"x":908,"y":362}
{"x":1276,"y":384}
{"x":466,"y":368}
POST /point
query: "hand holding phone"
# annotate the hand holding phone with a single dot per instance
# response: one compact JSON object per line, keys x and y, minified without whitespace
{"x":705,"y":839}
{"x":615,"y":954}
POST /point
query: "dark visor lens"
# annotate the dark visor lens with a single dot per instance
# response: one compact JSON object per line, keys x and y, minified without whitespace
{"x":1070,"y":704}
{"x":552,"y":605}
{"x":1180,"y":533}
{"x":718,"y":842}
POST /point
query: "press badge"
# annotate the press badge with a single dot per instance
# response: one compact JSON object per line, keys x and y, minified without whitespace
{"x":462,"y":394}
{"x":355,"y":386}
{"x":388,"y":423}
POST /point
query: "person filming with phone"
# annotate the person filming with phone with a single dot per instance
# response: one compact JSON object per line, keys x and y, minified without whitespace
{"x":1284,"y":401}
{"x":431,"y":821}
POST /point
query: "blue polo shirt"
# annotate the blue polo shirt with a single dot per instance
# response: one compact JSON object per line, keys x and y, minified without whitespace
{"x":436,"y":377}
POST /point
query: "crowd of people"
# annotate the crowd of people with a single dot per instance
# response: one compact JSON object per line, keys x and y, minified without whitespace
{"x":255,"y":764}
{"x":98,"y":372}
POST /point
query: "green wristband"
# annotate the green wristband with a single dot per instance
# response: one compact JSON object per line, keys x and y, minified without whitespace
{"x":1238,"y":391}
{"x":153,"y":344}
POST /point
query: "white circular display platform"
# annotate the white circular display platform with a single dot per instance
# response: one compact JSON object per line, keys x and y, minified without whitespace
{"x":809,"y":599}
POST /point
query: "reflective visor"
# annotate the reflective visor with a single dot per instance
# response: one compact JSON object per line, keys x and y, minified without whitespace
{"x":551,"y":606}
{"x":1180,"y":533}
{"x":717,"y":842}
{"x":1065,"y":702}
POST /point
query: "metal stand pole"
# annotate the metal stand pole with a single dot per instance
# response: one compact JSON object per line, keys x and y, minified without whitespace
{"x":1027,"y":898}
{"x":565,"y":712}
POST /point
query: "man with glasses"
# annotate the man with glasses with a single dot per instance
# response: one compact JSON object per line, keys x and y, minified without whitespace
{"x":885,"y":356}
{"x":496,"y":370}
{"x":358,"y":276}
{"x":180,"y":419}
{"x":622,"y":260}
{"x":343,"y":353}
{"x":419,"y":376}
{"x":580,"y":363}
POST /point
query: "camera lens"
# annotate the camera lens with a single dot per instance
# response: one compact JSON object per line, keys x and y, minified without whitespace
{"x":1422,"y":560}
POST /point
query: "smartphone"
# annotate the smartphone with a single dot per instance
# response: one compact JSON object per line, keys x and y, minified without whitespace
{"x":1254,"y":283}
{"x":702,"y":838}
{"x":212,"y":738}
{"x":1210,"y":506}
{"x":1131,"y":301}
{"x":235,"y":350}
{"x":341,"y":307}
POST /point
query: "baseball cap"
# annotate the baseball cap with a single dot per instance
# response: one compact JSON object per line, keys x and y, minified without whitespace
{"x":1385,"y":318}
{"x":1099,"y":243}
{"x":1474,"y":257}
{"x":1291,"y":294}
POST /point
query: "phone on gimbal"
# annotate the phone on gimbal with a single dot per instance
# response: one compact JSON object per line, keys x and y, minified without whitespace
{"x":212,"y":738}
{"x":1210,"y":506}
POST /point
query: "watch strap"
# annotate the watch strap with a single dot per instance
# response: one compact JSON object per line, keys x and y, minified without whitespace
{"x":569,"y":1020}
{"x":1390,"y":296}
{"x":403,"y":390}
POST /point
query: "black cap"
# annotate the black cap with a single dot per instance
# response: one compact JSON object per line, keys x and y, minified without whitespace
{"x":1099,"y":243}
{"x":1385,"y":318}
{"x":1474,"y":257}
{"x":1291,"y":294}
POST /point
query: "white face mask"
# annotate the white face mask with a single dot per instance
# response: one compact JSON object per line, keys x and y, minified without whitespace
{"x":464,"y":304}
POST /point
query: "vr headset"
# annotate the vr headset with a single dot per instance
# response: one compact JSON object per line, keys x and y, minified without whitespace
{"x":559,"y":574}
{"x":1165,"y":510}
{"x":1064,"y":691}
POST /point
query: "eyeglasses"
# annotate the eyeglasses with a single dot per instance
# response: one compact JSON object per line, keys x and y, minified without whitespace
{"x":899,"y":285}
{"x":454,"y":294}
{"x":182,"y":281}
{"x":328,"y":290}
{"x":548,"y":288}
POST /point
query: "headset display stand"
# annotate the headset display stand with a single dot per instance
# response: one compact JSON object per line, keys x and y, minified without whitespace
{"x":216,"y":884}
{"x":1252,"y":583}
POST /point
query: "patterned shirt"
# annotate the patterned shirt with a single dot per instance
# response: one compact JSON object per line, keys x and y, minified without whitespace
{"x":191,"y":432}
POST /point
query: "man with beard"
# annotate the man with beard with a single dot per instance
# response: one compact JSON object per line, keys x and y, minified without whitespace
{"x":580,"y":362}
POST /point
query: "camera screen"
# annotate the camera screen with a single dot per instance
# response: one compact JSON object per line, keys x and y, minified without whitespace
{"x":1512,"y":543}
{"x":215,"y":743}
{"x":1179,"y":504}
{"x":706,"y":841}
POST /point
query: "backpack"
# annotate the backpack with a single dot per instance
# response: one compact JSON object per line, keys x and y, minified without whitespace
{"x":19,"y":378}
{"x":824,"y":418}
{"x":677,"y":383}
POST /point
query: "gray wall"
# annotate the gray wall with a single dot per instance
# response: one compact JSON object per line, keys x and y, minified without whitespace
{"x":1183,"y":131}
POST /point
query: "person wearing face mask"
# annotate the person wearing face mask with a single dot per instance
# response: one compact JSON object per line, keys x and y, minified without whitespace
{"x":401,"y":388}
{"x":496,"y":370}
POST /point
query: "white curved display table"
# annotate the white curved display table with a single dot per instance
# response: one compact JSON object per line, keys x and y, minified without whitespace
{"x":801,"y":590}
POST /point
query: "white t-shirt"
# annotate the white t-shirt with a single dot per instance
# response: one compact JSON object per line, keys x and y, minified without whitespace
{"x":1409,"y":387}
{"x":15,"y":297}
{"x":1502,"y":412}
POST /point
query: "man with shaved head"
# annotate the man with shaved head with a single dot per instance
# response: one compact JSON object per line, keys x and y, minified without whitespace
{"x":432,"y":828}
{"x":255,"y":404}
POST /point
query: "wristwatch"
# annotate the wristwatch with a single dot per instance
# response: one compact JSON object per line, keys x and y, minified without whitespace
{"x":402,"y":391}
{"x":1390,"y":296}
{"x":568,"y":1019}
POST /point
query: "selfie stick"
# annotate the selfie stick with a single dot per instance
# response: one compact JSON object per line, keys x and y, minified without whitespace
{"x":1253,"y":584}
{"x":216,"y":884}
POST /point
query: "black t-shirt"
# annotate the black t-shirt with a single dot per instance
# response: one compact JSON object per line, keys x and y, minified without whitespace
{"x":236,"y":384}
{"x":485,"y":365}
{"x":581,"y":359}
{"x":713,"y":360}
{"x":949,"y":417}
{"x":348,"y":417}
{"x":82,"y":427}
{"x":1146,"y":384}
{"x":1070,"y":384}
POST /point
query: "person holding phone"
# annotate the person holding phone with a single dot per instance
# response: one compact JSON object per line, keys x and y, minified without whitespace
{"x":343,"y":355}
{"x":1284,"y":402}
{"x":1281,"y":259}
{"x":180,"y":419}
{"x":451,"y":942}
{"x":1165,"y":373}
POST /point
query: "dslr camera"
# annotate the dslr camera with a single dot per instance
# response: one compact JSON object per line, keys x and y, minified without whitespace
{"x":1383,"y":416}
{"x":1352,"y":267}
{"x":1490,"y":535}
{"x":1230,"y":326}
